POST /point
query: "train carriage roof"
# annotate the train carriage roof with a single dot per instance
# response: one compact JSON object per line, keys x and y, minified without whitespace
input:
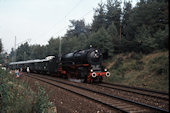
{"x":33,"y":61}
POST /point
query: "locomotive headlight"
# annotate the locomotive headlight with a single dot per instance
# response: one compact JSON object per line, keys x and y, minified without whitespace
{"x":91,"y":70}
{"x":93,"y":74}
{"x":105,"y":69}
{"x":108,"y":74}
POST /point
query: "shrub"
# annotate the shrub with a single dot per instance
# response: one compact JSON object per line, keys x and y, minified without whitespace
{"x":118,"y":63}
{"x":136,"y":56}
{"x":17,"y":97}
{"x":138,"y":65}
{"x":159,"y":65}
{"x":158,"y":59}
{"x":14,"y":97}
{"x":42,"y":103}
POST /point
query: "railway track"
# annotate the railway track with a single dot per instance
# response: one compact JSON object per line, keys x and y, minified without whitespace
{"x":149,"y":97}
{"x":141,"y":91}
{"x":115,"y":102}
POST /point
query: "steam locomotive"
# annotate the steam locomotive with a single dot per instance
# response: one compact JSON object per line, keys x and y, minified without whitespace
{"x":85,"y":65}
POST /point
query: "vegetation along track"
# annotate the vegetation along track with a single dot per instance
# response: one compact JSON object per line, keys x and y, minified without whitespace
{"x":115,"y":102}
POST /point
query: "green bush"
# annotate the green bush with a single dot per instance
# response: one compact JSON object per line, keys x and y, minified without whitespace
{"x":42,"y":103}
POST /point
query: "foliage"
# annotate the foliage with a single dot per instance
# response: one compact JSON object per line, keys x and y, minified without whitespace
{"x":42,"y":103}
{"x":146,"y":42}
{"x":149,"y":71}
{"x":23,"y":52}
{"x":118,"y":63}
{"x":101,"y":40}
{"x":159,"y":65}
{"x":146,"y":19}
{"x":113,"y":14}
{"x":17,"y":97}
{"x":14,"y":98}
{"x":52,"y":48}
{"x":77,"y":28}
{"x":162,"y":38}
{"x":4,"y":58}
{"x":116,"y":41}
{"x":99,"y":20}
{"x":136,"y":56}
{"x":38,"y":52}
{"x":73,"y":44}
{"x":127,"y":11}
{"x":0,"y":46}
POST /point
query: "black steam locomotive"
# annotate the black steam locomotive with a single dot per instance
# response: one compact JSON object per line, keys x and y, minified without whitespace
{"x":85,"y":65}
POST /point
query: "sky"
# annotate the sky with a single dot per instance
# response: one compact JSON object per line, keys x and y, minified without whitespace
{"x":36,"y":21}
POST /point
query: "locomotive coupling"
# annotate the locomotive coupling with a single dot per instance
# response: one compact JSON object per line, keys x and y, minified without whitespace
{"x":108,"y":74}
{"x":94,"y":75}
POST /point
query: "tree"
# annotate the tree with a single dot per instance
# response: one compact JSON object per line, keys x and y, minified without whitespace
{"x":99,"y":20}
{"x":76,"y":28}
{"x":113,"y":14}
{"x":1,"y":55}
{"x":11,"y":55}
{"x":67,"y":45}
{"x":116,"y":41}
{"x":144,"y":39}
{"x":52,"y":48}
{"x":102,"y":40}
{"x":126,"y":29}
{"x":23,"y":52}
{"x":142,"y":25}
{"x":38,"y":52}
{"x":162,"y":38}
{"x":0,"y":46}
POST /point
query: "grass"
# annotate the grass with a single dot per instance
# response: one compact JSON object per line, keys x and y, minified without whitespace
{"x":148,"y":71}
